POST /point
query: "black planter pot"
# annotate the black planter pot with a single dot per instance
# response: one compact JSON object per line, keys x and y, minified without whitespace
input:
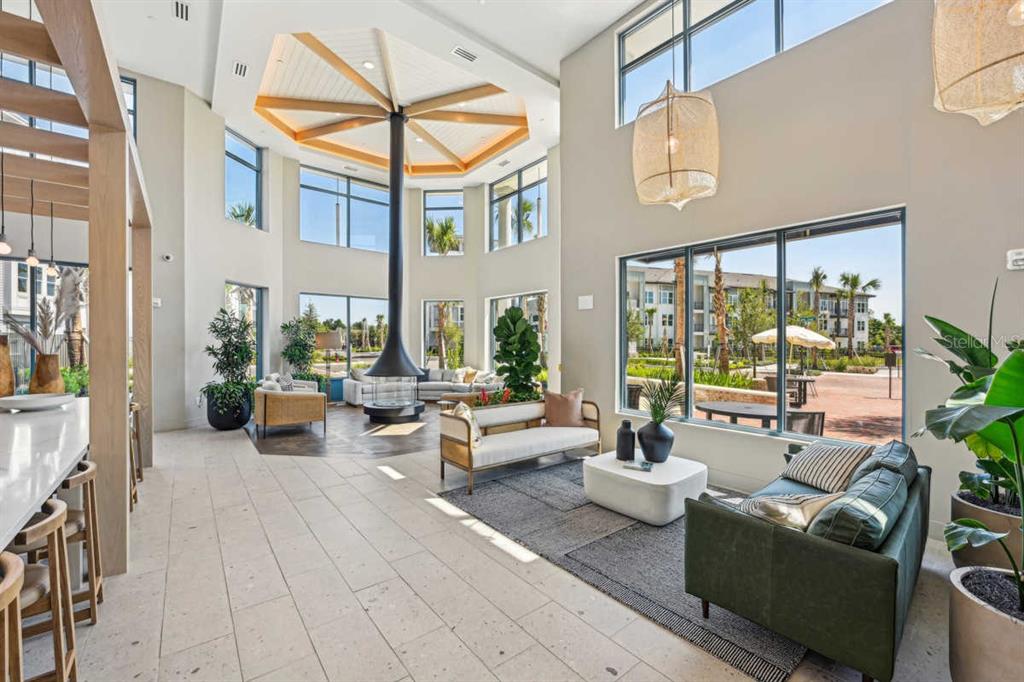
{"x":229,"y":420}
{"x":655,"y":441}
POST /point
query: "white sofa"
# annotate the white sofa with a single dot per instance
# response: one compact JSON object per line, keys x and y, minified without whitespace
{"x":511,"y":433}
{"x":358,"y":390}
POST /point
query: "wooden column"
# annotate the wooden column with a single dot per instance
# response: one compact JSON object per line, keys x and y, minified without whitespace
{"x":108,"y":331}
{"x":142,"y":333}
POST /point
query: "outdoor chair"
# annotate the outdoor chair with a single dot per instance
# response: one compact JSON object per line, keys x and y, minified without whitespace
{"x":773,"y":386}
{"x":810,"y":423}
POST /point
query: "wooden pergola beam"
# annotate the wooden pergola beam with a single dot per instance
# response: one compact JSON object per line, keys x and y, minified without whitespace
{"x":138,"y":198}
{"x":436,"y":169}
{"x":45,"y":191}
{"x":298,"y":104}
{"x":46,"y":171}
{"x":18,"y":204}
{"x":388,"y":69}
{"x":342,"y":67}
{"x":327,"y":129}
{"x":41,"y":102}
{"x":510,"y":140}
{"x":27,"y":38}
{"x":472,"y":117}
{"x":435,"y":143}
{"x":274,"y":120}
{"x":451,"y":98}
{"x":346,"y":152}
{"x":38,"y":141}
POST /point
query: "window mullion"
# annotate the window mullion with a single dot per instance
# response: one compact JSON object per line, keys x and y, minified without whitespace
{"x":780,"y":330}
{"x":688,"y":350}
{"x":778,"y":26}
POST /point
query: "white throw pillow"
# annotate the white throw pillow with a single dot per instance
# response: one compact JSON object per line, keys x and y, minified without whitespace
{"x":465,"y":411}
{"x":435,"y":375}
{"x":269,"y":385}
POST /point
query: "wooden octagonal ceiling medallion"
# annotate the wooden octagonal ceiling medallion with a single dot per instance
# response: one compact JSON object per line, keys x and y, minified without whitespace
{"x":331,"y":91}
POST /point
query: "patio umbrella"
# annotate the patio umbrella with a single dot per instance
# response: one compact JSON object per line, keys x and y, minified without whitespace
{"x":796,"y":336}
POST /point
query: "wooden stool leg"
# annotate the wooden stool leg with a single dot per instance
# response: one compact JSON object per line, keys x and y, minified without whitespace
{"x":67,"y":608}
{"x":13,"y":637}
{"x":56,"y":583}
{"x":92,"y":547}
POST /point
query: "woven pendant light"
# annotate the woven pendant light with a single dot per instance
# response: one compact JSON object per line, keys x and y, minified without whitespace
{"x":978,"y":57}
{"x":675,"y":148}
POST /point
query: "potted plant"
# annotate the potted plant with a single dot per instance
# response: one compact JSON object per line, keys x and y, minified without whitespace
{"x":229,"y":402}
{"x":663,"y":395}
{"x":299,"y":343}
{"x":517,"y":355}
{"x":986,"y":618}
{"x":986,"y":494}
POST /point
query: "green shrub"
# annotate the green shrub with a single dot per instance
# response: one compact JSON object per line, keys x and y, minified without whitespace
{"x":76,"y":379}
{"x":716,"y":378}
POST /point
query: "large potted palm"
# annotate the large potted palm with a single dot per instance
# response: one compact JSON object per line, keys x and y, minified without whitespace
{"x":986,"y":617}
{"x":229,"y":401}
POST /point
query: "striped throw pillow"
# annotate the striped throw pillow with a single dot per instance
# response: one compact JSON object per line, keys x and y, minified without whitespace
{"x":795,"y":511}
{"x":827,"y":467}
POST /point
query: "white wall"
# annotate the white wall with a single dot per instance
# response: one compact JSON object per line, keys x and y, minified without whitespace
{"x":841,"y":124}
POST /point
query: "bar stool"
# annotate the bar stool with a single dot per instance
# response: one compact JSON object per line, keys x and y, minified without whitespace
{"x":47,"y":589}
{"x":135,"y":409}
{"x":134,"y":456}
{"x":12,"y":577}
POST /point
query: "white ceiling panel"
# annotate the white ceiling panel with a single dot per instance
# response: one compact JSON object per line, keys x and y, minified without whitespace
{"x":293,"y":70}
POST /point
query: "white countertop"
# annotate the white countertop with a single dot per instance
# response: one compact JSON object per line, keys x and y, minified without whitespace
{"x":37,"y":451}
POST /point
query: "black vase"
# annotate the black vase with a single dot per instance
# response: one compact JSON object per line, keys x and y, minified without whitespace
{"x":625,"y":442}
{"x":655,"y":441}
{"x":230,"y":420}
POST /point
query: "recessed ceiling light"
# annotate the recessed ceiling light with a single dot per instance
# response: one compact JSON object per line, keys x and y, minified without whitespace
{"x":367,"y":65}
{"x":419,"y":139}
{"x":462,"y":105}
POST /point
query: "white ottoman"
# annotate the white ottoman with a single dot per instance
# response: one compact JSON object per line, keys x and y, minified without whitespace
{"x":655,"y":497}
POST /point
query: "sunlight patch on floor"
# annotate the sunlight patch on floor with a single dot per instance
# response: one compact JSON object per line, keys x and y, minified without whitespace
{"x":502,"y":542}
{"x":397,"y":429}
{"x":390,"y":473}
{"x":446,"y":507}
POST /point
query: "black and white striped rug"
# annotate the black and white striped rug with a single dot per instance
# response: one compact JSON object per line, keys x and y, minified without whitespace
{"x":636,"y":564}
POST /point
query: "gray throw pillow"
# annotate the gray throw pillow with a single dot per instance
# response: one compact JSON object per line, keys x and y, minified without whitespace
{"x":865,"y":514}
{"x":826,"y":466}
{"x":894,"y":456}
{"x":448,"y":375}
{"x":435,"y":375}
{"x":287,"y":383}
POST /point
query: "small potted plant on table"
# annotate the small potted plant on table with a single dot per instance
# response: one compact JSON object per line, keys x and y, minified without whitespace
{"x":663,"y":396}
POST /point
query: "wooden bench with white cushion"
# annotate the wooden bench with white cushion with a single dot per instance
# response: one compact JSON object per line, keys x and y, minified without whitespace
{"x":512,"y":433}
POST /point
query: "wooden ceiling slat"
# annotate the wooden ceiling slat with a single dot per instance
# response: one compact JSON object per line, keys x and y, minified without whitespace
{"x":46,"y":171}
{"x":27,"y":38}
{"x":472,"y":117}
{"x":467,"y":95}
{"x":42,"y":209}
{"x":14,"y":136}
{"x":435,"y":143}
{"x":45,"y":191}
{"x":436,"y":169}
{"x":343,"y":67}
{"x":41,"y":102}
{"x":274,"y":120}
{"x":297,"y":104}
{"x":388,"y":67}
{"x":347,"y":152}
{"x":510,"y":140}
{"x":327,"y":129}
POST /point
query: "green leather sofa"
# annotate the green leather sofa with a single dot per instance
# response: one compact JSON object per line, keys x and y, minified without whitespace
{"x":846,"y":603}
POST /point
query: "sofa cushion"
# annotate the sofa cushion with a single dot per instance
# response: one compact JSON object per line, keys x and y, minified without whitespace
{"x":510,"y":414}
{"x":466,"y":412}
{"x":287,"y":383}
{"x":268,"y":385}
{"x":827,"y":466}
{"x":785,"y":486}
{"x":435,"y":386}
{"x":435,"y":375}
{"x":359,"y":374}
{"x":564,"y":410}
{"x":447,"y":375}
{"x":864,"y":514}
{"x":894,"y":456}
{"x":513,"y":445}
{"x":793,"y":511}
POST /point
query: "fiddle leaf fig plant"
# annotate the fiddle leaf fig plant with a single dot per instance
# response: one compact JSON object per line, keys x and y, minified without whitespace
{"x":518,"y":354}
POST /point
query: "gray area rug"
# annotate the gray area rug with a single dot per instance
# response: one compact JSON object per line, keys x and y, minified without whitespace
{"x":636,"y":564}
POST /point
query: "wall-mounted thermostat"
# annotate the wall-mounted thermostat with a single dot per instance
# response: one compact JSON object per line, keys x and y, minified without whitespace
{"x":1015,"y":259}
{"x":585,"y":302}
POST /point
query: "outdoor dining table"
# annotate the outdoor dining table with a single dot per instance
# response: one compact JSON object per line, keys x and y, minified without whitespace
{"x":801,"y":383}
{"x":736,"y":410}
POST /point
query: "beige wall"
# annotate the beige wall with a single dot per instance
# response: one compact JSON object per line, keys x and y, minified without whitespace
{"x":841,"y":124}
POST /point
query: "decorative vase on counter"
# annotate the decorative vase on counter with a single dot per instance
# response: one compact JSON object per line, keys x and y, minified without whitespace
{"x":6,"y":370}
{"x":655,"y":442}
{"x":46,"y":378}
{"x":625,"y":442}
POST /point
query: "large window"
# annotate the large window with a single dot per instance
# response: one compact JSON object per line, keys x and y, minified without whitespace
{"x":129,"y":88}
{"x":342,"y":211}
{"x":443,"y":325}
{"x":442,"y":223}
{"x":247,"y":303}
{"x":362,"y":323}
{"x":22,"y":290}
{"x":535,"y":310}
{"x":835,"y":372}
{"x":242,"y":180}
{"x":714,"y":39}
{"x":519,"y":206}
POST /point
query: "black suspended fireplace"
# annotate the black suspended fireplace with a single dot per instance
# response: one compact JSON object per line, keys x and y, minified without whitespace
{"x":394,"y":374}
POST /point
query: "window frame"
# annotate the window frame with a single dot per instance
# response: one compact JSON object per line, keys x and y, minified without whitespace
{"x":518,"y":194}
{"x":461,"y":209}
{"x":821,"y":228}
{"x":344,"y":191}
{"x":685,"y":38}
{"x":257,"y":168}
{"x":259,"y":318}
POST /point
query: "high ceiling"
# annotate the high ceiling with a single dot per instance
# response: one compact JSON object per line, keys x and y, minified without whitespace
{"x":517,"y":47}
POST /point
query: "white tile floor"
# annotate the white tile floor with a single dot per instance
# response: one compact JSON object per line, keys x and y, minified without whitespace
{"x":250,"y":567}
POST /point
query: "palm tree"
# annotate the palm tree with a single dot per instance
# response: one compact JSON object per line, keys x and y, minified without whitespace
{"x":526,"y":208}
{"x":442,"y":240}
{"x":817,"y":282}
{"x":853,"y":286}
{"x":243,"y":212}
{"x":650,"y":313}
{"x":888,"y":325}
{"x":381,"y":331}
{"x":679,"y":313}
{"x":720,"y":316}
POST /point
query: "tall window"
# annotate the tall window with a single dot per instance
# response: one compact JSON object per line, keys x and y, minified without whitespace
{"x":342,"y":211}
{"x":714,"y":39}
{"x":442,"y":217}
{"x":247,"y":303}
{"x":362,"y":323}
{"x":443,"y":325}
{"x":828,"y":376}
{"x":519,"y":206}
{"x":129,"y":87}
{"x":535,"y":310}
{"x":242,"y":180}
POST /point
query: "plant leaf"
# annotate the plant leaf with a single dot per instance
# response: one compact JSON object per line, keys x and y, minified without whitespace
{"x":978,"y":485}
{"x":983,"y":449}
{"x":962,"y":532}
{"x":961,"y":344}
{"x":960,"y":421}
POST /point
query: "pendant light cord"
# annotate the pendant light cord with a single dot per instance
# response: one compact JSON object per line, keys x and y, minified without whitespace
{"x":32,"y":213}
{"x":51,"y":233}
{"x":3,"y":190}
